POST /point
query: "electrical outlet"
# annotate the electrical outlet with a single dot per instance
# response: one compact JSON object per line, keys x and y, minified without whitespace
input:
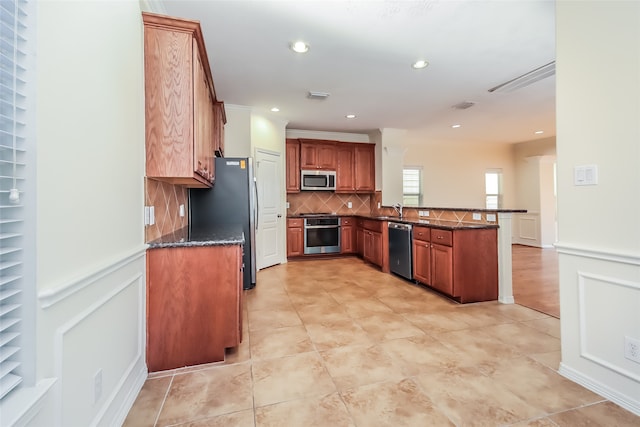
{"x":97,"y":386}
{"x":477,"y":216}
{"x":288,"y":205}
{"x":181,"y":210}
{"x":378,"y":205}
{"x":147,"y":214}
{"x":632,"y":349}
{"x":349,"y":205}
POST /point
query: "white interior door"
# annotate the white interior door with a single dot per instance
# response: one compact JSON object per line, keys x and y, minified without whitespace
{"x":270,"y":219}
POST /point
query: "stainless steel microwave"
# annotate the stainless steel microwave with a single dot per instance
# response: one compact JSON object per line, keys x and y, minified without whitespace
{"x":317,"y":180}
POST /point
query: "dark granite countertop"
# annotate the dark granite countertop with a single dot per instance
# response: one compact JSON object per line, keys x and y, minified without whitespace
{"x":429,"y":208}
{"x":220,"y":235}
{"x":434,"y":223}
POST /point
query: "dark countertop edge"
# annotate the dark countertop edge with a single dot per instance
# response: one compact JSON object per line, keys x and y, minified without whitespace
{"x":182,"y":239}
{"x":463,"y":209}
{"x":433,"y":223}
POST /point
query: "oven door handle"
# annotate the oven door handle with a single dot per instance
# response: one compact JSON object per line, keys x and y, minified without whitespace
{"x":307,"y":227}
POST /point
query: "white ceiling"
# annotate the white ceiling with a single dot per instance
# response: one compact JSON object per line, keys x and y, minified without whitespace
{"x":361,"y":53}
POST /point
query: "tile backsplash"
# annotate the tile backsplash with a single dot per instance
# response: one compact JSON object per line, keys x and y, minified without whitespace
{"x":166,"y":200}
{"x":328,"y":202}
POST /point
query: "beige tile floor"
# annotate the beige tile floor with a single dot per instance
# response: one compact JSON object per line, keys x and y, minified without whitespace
{"x":339,"y":343}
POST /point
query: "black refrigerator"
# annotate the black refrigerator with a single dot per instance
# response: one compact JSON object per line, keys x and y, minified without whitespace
{"x":231,"y":201}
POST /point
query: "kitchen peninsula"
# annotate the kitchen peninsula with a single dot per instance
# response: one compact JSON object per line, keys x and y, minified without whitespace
{"x":459,"y":252}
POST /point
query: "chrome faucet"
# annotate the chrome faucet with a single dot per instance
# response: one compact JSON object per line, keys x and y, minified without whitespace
{"x":398,"y":208}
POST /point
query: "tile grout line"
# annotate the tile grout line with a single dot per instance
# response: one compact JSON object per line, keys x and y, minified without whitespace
{"x":164,"y":399}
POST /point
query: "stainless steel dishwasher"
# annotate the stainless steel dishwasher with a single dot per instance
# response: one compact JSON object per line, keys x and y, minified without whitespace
{"x":400,"y":250}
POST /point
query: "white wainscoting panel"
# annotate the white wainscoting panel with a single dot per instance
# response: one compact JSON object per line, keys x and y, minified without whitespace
{"x":96,"y":331}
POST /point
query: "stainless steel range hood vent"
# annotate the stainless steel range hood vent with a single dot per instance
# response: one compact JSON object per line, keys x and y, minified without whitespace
{"x":526,"y":79}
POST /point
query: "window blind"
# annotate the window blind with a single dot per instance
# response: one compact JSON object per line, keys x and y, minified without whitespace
{"x":12,"y":179}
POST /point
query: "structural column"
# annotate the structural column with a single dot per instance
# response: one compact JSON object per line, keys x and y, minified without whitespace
{"x":505,"y":284}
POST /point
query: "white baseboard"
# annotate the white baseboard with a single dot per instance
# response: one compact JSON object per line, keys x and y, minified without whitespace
{"x":129,"y":392}
{"x":622,"y":400}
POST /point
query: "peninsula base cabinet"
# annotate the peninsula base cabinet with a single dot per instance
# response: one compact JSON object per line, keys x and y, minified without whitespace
{"x":194,"y":305}
{"x":462,"y":264}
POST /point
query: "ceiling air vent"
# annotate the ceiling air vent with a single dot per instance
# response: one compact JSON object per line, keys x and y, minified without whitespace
{"x":317,"y":95}
{"x":464,"y":105}
{"x":526,"y":79}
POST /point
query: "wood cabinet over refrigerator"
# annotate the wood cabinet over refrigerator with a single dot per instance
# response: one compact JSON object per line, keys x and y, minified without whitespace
{"x":184,"y":121}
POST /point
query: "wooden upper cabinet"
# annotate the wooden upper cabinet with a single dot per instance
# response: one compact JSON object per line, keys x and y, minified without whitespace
{"x":345,"y":162}
{"x":317,"y":154}
{"x":181,"y":127}
{"x":203,"y":122}
{"x":293,"y":165}
{"x":365,"y":168}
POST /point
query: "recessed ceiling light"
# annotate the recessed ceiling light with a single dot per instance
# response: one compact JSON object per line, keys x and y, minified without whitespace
{"x":420,"y":64}
{"x":538,"y":132}
{"x":275,"y":109}
{"x":350,"y":116}
{"x":299,"y":47}
{"x":456,"y":126}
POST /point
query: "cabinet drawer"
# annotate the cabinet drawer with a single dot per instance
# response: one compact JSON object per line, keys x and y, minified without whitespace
{"x":422,"y":233}
{"x":373,"y":225}
{"x":347,"y":221}
{"x":442,"y":237}
{"x":294,"y":222}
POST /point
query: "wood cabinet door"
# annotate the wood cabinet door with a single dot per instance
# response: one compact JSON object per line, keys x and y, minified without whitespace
{"x":327,"y":156}
{"x":168,"y":103}
{"x":295,"y":241}
{"x":442,"y":268}
{"x":360,"y":241}
{"x":365,"y":164}
{"x":422,"y":261}
{"x":308,"y":155}
{"x":376,"y":244}
{"x":293,"y":165}
{"x":346,"y":239}
{"x":345,"y":179}
{"x":203,"y":123}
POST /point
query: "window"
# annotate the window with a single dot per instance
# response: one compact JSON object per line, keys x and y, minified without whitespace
{"x":16,"y":237}
{"x":412,"y":186}
{"x":493,"y":189}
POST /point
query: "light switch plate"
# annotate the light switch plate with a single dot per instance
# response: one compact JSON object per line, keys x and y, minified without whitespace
{"x":147,"y":214}
{"x":152,"y":215}
{"x":477,"y":216}
{"x":491,"y":217}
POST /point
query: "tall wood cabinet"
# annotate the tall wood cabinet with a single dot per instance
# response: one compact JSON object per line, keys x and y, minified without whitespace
{"x":183,"y":120}
{"x":365,"y":168}
{"x":292,"y":155}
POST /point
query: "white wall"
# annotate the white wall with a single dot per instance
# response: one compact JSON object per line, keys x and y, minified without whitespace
{"x":598,"y":64}
{"x":453,"y":175}
{"x":237,"y":131}
{"x":90,"y":252}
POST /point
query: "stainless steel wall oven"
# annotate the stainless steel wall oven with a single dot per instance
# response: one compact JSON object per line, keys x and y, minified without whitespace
{"x":322,"y":235}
